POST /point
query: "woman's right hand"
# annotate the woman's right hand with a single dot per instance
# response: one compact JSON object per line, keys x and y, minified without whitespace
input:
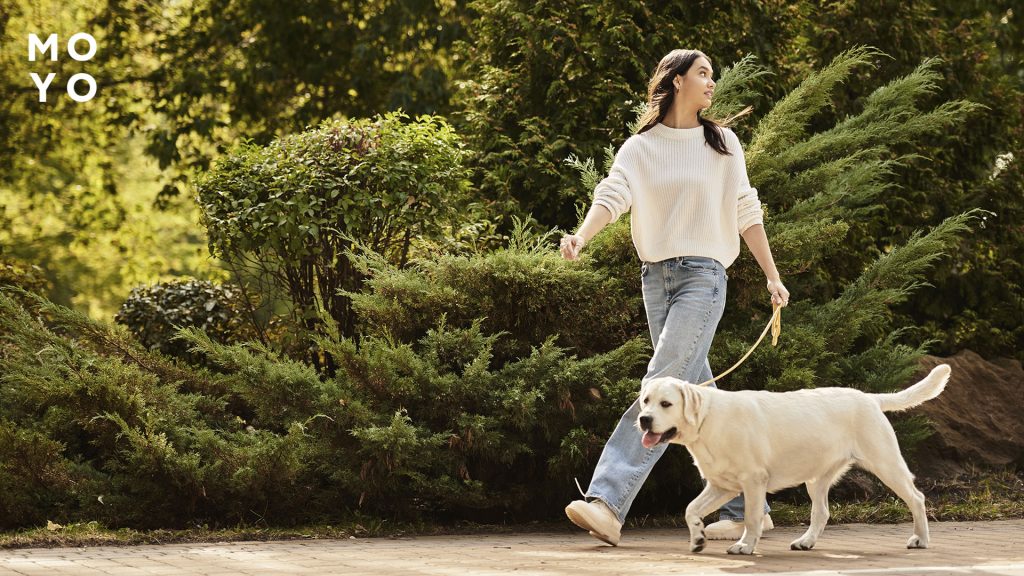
{"x":571,"y":246}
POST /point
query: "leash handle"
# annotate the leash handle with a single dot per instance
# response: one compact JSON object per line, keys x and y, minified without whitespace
{"x":774,"y":324}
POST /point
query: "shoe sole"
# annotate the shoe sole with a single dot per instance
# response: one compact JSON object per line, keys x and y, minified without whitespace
{"x":580,"y":521}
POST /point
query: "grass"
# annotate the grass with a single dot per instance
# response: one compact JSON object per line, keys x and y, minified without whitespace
{"x":980,"y":496}
{"x":95,"y":534}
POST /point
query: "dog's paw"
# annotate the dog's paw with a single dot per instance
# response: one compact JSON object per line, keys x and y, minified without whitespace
{"x":698,"y":540}
{"x":698,"y":543}
{"x":802,"y":544}
{"x":917,"y":542}
{"x":740,"y":548}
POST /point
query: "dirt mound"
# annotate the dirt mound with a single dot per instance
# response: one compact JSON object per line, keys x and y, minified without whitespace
{"x":979,"y":419}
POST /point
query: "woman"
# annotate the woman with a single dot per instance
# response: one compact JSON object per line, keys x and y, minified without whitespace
{"x":684,"y":179}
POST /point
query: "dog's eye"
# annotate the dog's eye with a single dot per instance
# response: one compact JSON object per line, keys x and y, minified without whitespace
{"x":666,"y":404}
{"x":646,"y":400}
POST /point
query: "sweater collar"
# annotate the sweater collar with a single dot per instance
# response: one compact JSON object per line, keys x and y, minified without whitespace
{"x":660,"y":129}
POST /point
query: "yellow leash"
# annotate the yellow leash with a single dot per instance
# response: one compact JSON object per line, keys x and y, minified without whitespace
{"x":774,"y":324}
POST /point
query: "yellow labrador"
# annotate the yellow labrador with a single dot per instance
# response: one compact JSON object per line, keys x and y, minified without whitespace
{"x":757,"y":442}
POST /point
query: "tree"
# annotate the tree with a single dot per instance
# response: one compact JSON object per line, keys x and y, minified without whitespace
{"x":977,"y":297}
{"x":216,"y":71}
{"x":545,"y":81}
{"x":76,"y":190}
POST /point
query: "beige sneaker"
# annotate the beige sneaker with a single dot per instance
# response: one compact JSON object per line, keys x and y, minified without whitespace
{"x":597,"y":518}
{"x":733,"y":529}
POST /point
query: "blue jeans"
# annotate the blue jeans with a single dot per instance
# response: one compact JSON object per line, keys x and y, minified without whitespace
{"x":684,"y":298}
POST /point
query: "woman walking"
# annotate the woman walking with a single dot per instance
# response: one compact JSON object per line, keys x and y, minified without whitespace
{"x":684,"y":180}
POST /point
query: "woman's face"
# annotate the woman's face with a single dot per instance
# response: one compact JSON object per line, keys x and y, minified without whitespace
{"x":696,"y":87}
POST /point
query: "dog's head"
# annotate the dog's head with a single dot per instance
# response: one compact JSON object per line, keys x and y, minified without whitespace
{"x":669,"y":412}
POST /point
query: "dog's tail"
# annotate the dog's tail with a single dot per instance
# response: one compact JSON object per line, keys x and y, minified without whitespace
{"x":932,"y":385}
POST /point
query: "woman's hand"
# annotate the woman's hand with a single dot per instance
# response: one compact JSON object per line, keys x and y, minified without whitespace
{"x":571,"y":246}
{"x":779,"y":293}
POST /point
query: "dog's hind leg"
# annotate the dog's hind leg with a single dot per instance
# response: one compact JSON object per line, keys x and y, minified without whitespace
{"x":886,"y":462}
{"x":818,"y":490}
{"x":711,"y":499}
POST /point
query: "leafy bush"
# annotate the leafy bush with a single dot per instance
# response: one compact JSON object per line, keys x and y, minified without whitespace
{"x":155,"y":313}
{"x":294,"y":208}
{"x":34,"y":478}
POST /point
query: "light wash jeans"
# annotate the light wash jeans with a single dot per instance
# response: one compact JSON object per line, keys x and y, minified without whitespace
{"x":684,"y":298}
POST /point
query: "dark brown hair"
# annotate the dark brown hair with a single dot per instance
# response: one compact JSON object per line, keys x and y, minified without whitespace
{"x":661,"y":93}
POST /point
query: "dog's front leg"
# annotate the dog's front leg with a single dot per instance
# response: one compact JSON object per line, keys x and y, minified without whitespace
{"x":754,"y":494}
{"x":711,"y":499}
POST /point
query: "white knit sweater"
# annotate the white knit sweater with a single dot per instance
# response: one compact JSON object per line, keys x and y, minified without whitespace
{"x":686,"y":199}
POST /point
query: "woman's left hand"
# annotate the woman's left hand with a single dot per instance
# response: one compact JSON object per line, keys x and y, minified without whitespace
{"x":780,"y":295}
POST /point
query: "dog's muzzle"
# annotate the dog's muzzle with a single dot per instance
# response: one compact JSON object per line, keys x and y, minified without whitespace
{"x":651,"y":438}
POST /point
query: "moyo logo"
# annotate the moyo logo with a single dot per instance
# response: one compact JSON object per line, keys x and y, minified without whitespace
{"x":36,"y":46}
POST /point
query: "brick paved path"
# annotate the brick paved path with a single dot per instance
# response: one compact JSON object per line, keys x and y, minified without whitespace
{"x":859,"y":549}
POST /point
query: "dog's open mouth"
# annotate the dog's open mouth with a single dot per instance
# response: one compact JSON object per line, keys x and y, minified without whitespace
{"x":652,"y":439}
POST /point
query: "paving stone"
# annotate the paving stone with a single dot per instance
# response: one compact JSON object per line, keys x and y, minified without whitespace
{"x":977,"y":548}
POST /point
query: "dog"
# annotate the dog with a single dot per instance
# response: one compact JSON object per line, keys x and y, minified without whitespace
{"x":756,"y":442}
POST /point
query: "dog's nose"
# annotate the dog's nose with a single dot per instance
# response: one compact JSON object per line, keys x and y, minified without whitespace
{"x":645,"y":422}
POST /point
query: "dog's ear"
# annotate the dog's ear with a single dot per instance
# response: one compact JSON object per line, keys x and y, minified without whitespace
{"x":691,"y":404}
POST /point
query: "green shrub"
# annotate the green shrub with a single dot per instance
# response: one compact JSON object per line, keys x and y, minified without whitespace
{"x":35,"y":480}
{"x":431,"y":426}
{"x":127,"y":437}
{"x":528,"y":294}
{"x":293,"y":208}
{"x":155,"y":313}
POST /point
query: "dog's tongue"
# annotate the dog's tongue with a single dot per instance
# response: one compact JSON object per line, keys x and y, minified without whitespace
{"x":650,"y":439}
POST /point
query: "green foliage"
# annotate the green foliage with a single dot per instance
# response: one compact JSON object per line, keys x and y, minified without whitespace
{"x":294,"y":207}
{"x":820,"y":189}
{"x":132,"y":438}
{"x":129,"y":438}
{"x":226,"y":71}
{"x":34,"y":480}
{"x":154,"y":314}
{"x":23,"y":276}
{"x":76,"y":190}
{"x":484,"y":379}
{"x":528,"y":295}
{"x":544,"y":82}
{"x":976,"y":301}
{"x":452,"y":431}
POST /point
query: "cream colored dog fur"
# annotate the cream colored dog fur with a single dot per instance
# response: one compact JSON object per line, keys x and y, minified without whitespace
{"x":756,"y":442}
